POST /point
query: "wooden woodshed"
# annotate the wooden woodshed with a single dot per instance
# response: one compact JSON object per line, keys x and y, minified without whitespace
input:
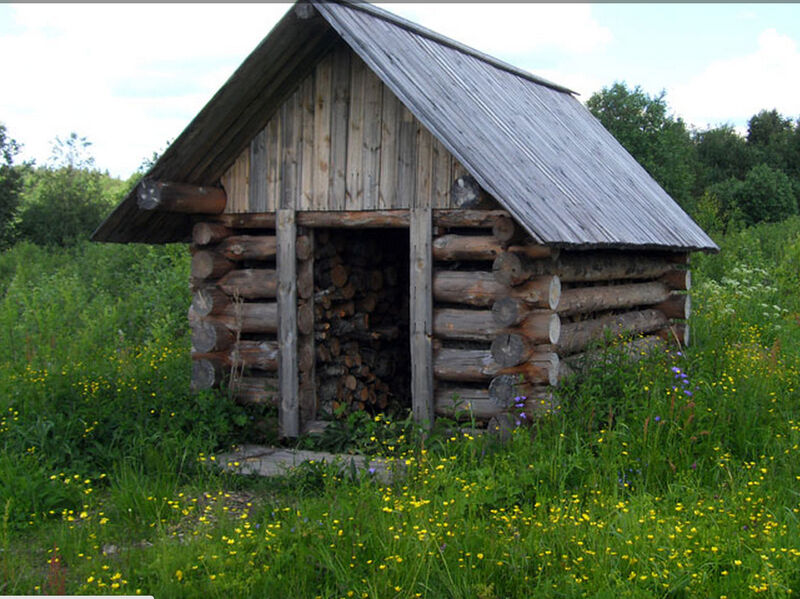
{"x":381,"y":216}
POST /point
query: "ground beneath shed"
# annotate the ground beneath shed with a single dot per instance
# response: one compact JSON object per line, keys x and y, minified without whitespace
{"x":277,"y":461}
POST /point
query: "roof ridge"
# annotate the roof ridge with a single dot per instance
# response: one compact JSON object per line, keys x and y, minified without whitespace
{"x":390,"y":17}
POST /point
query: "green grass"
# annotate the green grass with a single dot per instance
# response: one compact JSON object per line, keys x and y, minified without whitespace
{"x":675,"y":476}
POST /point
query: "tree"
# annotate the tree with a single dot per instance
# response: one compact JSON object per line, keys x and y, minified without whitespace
{"x":657,"y":140}
{"x":10,"y":186}
{"x":769,"y":136}
{"x":721,"y":154}
{"x":67,"y":199}
{"x":766,"y":194}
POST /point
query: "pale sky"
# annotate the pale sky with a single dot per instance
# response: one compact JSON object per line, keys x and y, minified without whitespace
{"x":130,"y":77}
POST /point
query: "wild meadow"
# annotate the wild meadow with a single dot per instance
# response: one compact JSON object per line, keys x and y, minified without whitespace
{"x":677,"y":475}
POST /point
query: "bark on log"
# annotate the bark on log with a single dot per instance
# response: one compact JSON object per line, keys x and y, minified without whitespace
{"x":209,"y":265}
{"x":250,"y":283}
{"x":677,"y":305}
{"x":478,"y":365}
{"x":208,"y":233}
{"x":577,"y":336}
{"x":679,"y":280}
{"x":468,"y":325}
{"x":211,"y":336}
{"x":506,"y":391}
{"x":583,"y":300}
{"x":180,"y":197}
{"x":248,"y":247}
{"x":251,"y":317}
{"x":512,"y":268}
{"x":541,"y":327}
{"x":480,"y":219}
{"x":262,"y":355}
{"x":256,"y":391}
{"x":464,"y":403}
{"x":374,"y":219}
{"x":209,"y":300}
{"x":466,"y":247}
{"x":472,"y":288}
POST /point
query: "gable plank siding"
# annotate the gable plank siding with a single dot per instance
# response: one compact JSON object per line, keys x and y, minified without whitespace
{"x":342,"y":141}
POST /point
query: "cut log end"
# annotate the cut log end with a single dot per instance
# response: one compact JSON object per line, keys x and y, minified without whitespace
{"x":509,"y":349}
{"x":206,"y":374}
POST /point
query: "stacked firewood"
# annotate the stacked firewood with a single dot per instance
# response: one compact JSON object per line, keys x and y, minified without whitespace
{"x":360,"y":320}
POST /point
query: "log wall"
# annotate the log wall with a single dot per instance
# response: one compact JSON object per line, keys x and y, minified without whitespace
{"x":343,"y":141}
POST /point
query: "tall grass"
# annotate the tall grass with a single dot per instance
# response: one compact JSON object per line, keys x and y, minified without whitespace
{"x":674,"y":476}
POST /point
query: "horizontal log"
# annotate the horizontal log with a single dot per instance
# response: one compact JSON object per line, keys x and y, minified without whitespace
{"x":211,"y":336}
{"x":513,"y":268}
{"x":179,"y":197}
{"x":583,"y":300}
{"x":251,"y":317}
{"x":256,"y":391}
{"x":261,"y":355}
{"x":466,"y":247}
{"x":679,"y":280}
{"x":508,"y":391}
{"x":209,"y":265}
{"x":469,"y":402}
{"x":472,"y":288}
{"x":481,"y":247}
{"x":576,"y":336}
{"x":633,"y":349}
{"x":454,"y":218}
{"x":467,"y":325}
{"x":209,"y":300}
{"x":480,"y":289}
{"x":373,"y":219}
{"x":476,"y":365}
{"x":252,"y":220}
{"x":677,"y":305}
{"x":541,"y":326}
{"x":206,"y":233}
{"x":250,"y":283}
{"x":248,"y":247}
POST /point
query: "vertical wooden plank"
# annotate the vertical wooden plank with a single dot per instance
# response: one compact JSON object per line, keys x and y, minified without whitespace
{"x":307,"y":167}
{"x":406,"y":159}
{"x":424,"y":181}
{"x":339,"y":110}
{"x":290,"y":128}
{"x":387,"y":191}
{"x":354,"y":184}
{"x":371,"y":153}
{"x":421,"y":314}
{"x":323,"y":99}
{"x":257,"y":194}
{"x":307,"y":389}
{"x":289,"y":413}
{"x":273,"y":163}
{"x":441,"y":175}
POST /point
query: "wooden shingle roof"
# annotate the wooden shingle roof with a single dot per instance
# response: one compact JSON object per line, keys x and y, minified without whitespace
{"x":530,"y":143}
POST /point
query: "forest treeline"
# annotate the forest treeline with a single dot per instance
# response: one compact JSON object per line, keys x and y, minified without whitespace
{"x":726,"y":181}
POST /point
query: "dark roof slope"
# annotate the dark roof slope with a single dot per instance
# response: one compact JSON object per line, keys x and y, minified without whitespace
{"x":527,"y":141}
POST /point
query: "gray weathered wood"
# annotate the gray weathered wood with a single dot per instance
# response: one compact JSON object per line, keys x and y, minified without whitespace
{"x":339,"y":108}
{"x":421,"y":315}
{"x":258,"y":173}
{"x":289,"y":413}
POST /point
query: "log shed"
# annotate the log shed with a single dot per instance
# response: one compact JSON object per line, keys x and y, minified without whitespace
{"x":381,"y":218}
